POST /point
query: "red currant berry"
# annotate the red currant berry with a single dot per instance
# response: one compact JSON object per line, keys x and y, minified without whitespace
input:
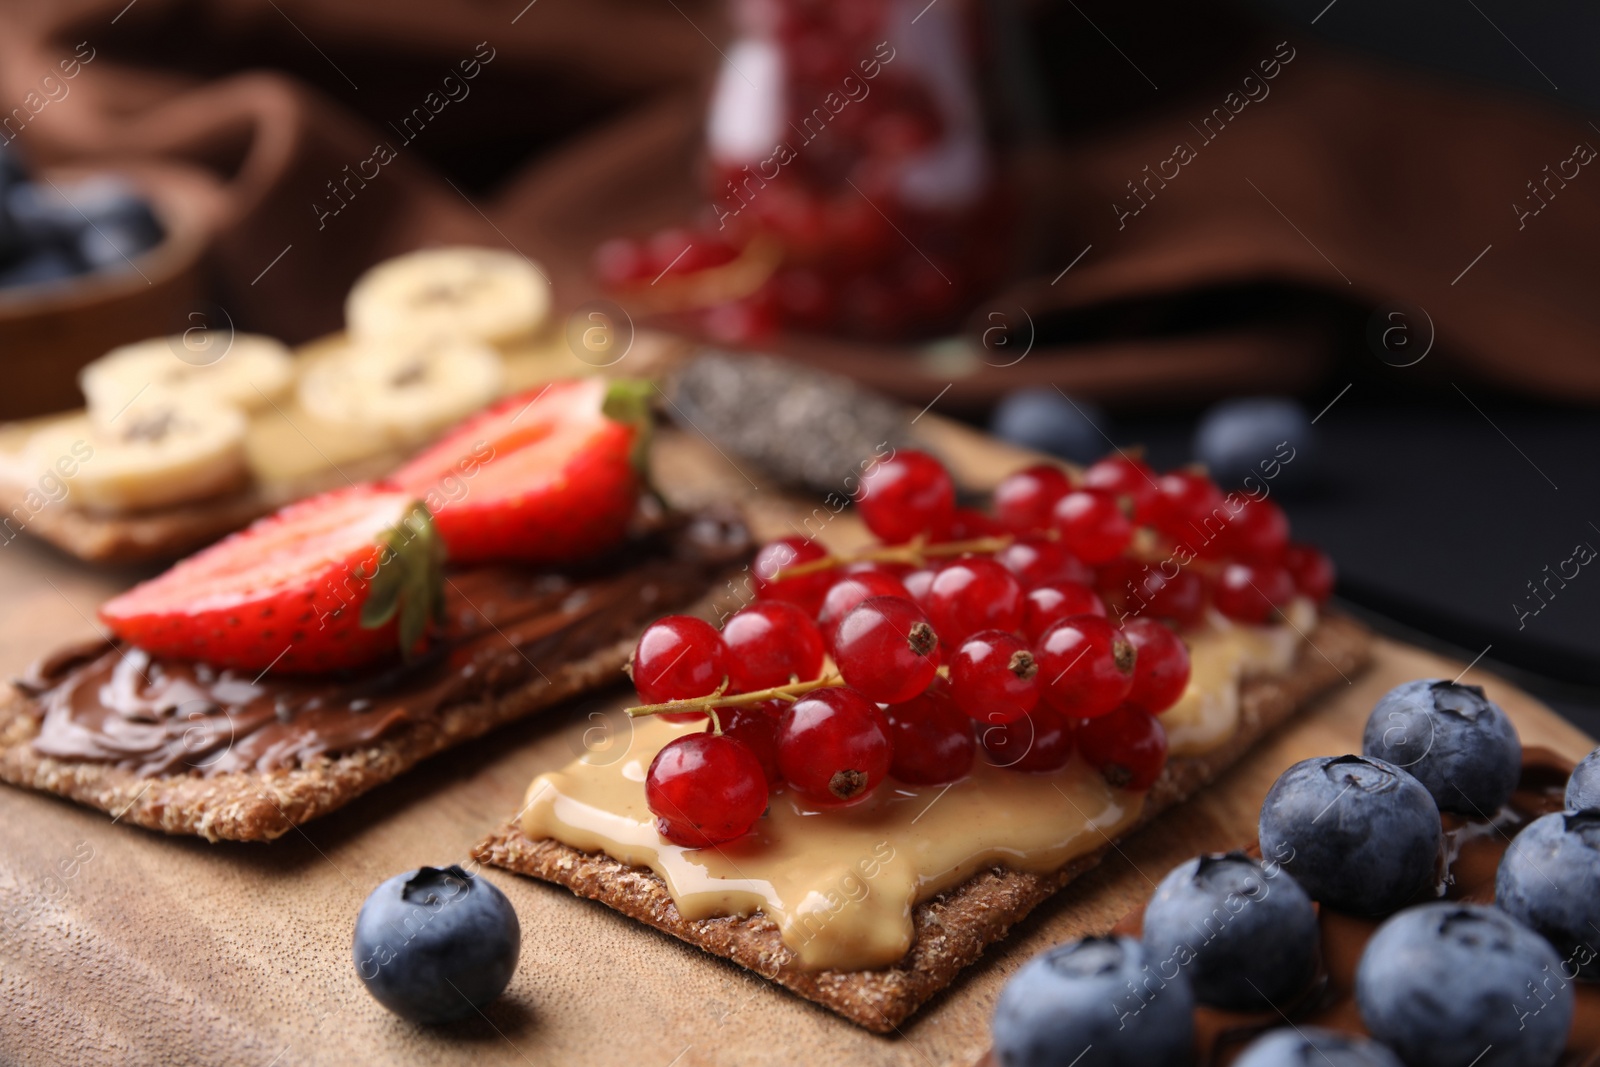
{"x":1247,"y":592}
{"x":970,"y":594}
{"x":1161,"y":671}
{"x":755,"y":726}
{"x":886,"y":648}
{"x":1129,"y":476}
{"x":1093,"y":525}
{"x":919,"y":583}
{"x":1049,"y":604}
{"x":967,"y":524}
{"x":851,"y":590}
{"x":1036,"y":562}
{"x":807,"y":590}
{"x":1131,"y":588}
{"x":622,"y":261}
{"x":771,"y":643}
{"x":1023,"y":501}
{"x":1040,"y":741}
{"x":678,"y":657}
{"x":1257,"y":533}
{"x":994,"y":677}
{"x":907,"y":494}
{"x":1185,"y":502}
{"x":932,"y":739}
{"x":833,"y":745}
{"x":1085,"y":666}
{"x":704,"y":789}
{"x":1128,"y":747}
{"x":1311,"y":570}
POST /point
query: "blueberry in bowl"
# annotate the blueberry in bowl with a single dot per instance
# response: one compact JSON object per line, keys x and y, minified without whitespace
{"x":1358,"y":834}
{"x":1314,"y":1046}
{"x":1097,"y":1002}
{"x":1549,"y":879}
{"x":436,"y":944}
{"x":1451,"y":738}
{"x":1583,"y":788}
{"x":1252,"y":440}
{"x":1448,"y":984}
{"x":1244,"y":932}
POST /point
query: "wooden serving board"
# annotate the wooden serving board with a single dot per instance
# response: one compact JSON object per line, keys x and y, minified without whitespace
{"x":120,"y":945}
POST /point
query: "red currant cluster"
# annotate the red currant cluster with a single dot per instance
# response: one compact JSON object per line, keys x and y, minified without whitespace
{"x":961,"y":631}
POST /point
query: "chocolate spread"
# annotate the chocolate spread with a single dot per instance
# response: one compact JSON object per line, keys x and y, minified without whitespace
{"x":506,"y":625}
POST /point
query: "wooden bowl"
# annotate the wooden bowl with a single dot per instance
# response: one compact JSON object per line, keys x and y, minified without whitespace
{"x":48,"y":331}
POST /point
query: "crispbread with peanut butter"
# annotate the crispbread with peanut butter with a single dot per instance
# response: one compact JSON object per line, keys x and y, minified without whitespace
{"x":951,"y":929}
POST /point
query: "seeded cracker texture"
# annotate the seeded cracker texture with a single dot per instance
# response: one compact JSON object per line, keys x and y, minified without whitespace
{"x":953,"y":928}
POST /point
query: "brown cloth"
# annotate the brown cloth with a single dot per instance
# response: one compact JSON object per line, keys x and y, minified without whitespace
{"x":1201,"y":153}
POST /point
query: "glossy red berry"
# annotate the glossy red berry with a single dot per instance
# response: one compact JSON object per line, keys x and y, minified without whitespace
{"x":756,"y":727}
{"x":1037,"y":561}
{"x":967,"y":524}
{"x":833,"y":745}
{"x":704,"y":790}
{"x":907,"y":494}
{"x":1126,"y":476}
{"x":1038,"y":742}
{"x":1128,"y":747}
{"x":850,"y":590}
{"x":886,"y":649}
{"x":1093,"y":525}
{"x":970,"y":594}
{"x":994,"y":677}
{"x":1186,"y":506}
{"x":919,"y":583}
{"x":622,"y":261}
{"x":1132,"y":589}
{"x":1024,"y":501}
{"x":1049,"y":604}
{"x":772,"y":642}
{"x":1247,"y":592}
{"x":1311,"y":570}
{"x":807,"y":590}
{"x":678,"y":657}
{"x":1161,"y":670}
{"x":1085,"y":666}
{"x":932,"y":739}
{"x":1257,"y":533}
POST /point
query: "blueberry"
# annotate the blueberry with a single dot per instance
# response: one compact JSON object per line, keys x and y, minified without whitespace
{"x":1358,"y":834}
{"x":35,"y":268}
{"x":1257,"y":441}
{"x":1314,"y":1046}
{"x":1045,"y":420}
{"x":42,"y":214}
{"x":1549,"y":879}
{"x":1452,"y":739}
{"x":115,"y":242}
{"x":1097,"y":1002}
{"x":436,"y":944}
{"x":1245,"y":934}
{"x":1449,"y":984}
{"x":1583,"y":788}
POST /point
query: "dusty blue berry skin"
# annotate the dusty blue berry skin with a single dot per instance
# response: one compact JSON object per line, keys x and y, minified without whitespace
{"x":1583,"y":788}
{"x":436,"y":944}
{"x":1452,"y":739}
{"x":1314,"y":1046}
{"x":1444,"y":984}
{"x":1549,"y":880}
{"x":1358,"y":834}
{"x":1045,"y":420}
{"x":1099,"y":999}
{"x":1245,"y":934}
{"x":1236,"y":437}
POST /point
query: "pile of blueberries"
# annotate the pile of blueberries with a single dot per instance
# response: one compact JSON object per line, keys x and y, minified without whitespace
{"x":51,"y":232}
{"x":1439,"y":983}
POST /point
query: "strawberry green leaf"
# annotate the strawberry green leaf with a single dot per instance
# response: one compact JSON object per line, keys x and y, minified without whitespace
{"x":627,"y":401}
{"x":409,"y":580}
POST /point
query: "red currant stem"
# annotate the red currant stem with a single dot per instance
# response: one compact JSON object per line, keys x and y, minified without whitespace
{"x":915,"y":552}
{"x":711,"y":701}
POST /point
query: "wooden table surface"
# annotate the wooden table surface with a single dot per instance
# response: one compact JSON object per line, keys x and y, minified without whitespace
{"x":121,"y":945}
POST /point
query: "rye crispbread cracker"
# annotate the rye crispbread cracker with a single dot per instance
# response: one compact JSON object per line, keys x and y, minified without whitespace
{"x":953,"y":928}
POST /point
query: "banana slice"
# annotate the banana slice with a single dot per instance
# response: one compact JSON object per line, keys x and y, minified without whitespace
{"x":150,"y":457}
{"x":405,"y":391}
{"x":480,"y":294}
{"x":200,"y":368}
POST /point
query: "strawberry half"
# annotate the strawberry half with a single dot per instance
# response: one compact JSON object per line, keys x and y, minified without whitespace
{"x":549,"y":476}
{"x":334,"y":581}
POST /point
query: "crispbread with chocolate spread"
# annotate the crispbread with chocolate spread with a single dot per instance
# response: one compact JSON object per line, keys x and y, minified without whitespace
{"x":184,"y":748}
{"x":953,"y":928}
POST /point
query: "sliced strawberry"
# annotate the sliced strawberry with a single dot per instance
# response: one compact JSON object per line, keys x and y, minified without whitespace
{"x":548,"y":476}
{"x":334,"y":581}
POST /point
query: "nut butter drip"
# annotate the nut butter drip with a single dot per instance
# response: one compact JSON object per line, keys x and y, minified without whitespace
{"x":840,"y":884}
{"x":506,"y":626}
